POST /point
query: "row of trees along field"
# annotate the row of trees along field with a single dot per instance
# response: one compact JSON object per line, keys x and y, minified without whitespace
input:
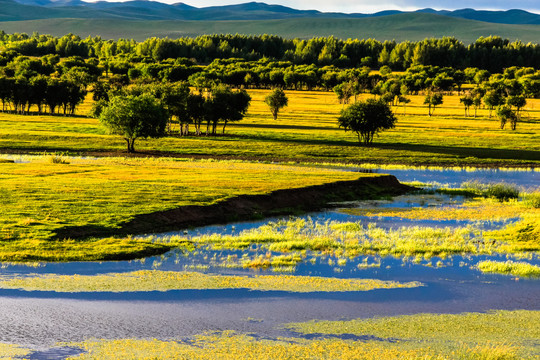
{"x":489,"y":53}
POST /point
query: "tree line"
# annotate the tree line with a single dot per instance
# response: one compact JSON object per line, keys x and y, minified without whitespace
{"x":489,"y":53}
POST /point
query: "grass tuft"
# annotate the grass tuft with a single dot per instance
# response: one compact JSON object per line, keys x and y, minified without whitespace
{"x":510,"y":267}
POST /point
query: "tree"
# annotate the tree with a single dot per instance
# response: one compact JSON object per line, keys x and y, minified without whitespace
{"x":467,"y":102}
{"x":366,"y":118}
{"x":506,"y":114}
{"x":432,"y":100}
{"x":492,"y":99}
{"x":225,"y":105}
{"x":517,"y":101}
{"x":344,"y":92}
{"x":276,"y":100}
{"x":134,"y":117}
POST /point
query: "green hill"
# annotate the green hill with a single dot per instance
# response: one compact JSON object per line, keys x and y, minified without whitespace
{"x":405,"y":26}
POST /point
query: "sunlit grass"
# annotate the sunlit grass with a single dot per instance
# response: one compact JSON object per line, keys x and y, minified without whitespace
{"x":9,"y":351}
{"x":500,"y":335}
{"x":509,"y":267}
{"x":39,"y":197}
{"x":87,"y":250}
{"x":517,"y":331}
{"x":156,"y":280}
{"x":352,"y":239}
{"x":306,"y":131}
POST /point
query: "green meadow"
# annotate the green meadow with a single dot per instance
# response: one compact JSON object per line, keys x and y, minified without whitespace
{"x":50,"y":192}
{"x":305,"y":131}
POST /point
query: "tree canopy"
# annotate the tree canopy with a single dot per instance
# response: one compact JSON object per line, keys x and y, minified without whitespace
{"x":276,"y":100}
{"x":367,"y":118}
{"x":134,"y":117}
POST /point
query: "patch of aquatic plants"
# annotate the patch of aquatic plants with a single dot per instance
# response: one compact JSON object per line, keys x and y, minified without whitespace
{"x":156,"y":280}
{"x":230,"y":345}
{"x":12,"y":351}
{"x":517,"y":268}
{"x":350,"y":239}
{"x":499,"y":191}
{"x":496,"y":335}
{"x":516,"y":332}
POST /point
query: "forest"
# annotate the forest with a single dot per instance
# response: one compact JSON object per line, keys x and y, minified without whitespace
{"x":193,"y":78}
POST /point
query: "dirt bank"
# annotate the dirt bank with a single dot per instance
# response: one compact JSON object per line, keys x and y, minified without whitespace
{"x":247,"y":207}
{"x":279,"y":202}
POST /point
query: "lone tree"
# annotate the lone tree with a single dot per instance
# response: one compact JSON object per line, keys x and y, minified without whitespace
{"x":276,"y":100}
{"x":432,"y":100}
{"x":134,"y":117}
{"x":506,"y":114}
{"x":366,"y":118}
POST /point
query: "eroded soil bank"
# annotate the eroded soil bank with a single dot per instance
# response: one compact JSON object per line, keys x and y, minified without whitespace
{"x":247,"y":207}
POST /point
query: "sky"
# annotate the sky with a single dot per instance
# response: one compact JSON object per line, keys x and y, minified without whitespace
{"x":369,"y":6}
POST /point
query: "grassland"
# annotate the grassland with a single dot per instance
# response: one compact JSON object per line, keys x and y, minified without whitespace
{"x":155,"y":280}
{"x":306,"y":131}
{"x":40,"y":198}
{"x":46,"y":197}
{"x":400,"y":27}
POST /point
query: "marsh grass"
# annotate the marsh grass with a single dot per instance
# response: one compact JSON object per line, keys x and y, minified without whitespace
{"x":508,"y":334}
{"x":532,"y":199}
{"x":351,"y":239}
{"x":509,"y":267}
{"x":499,"y":191}
{"x":156,"y":280}
{"x":500,"y":335}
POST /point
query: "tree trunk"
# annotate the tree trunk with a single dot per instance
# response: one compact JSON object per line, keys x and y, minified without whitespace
{"x":224,"y":125}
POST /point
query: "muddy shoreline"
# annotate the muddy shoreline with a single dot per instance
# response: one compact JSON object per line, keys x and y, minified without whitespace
{"x":248,"y":207}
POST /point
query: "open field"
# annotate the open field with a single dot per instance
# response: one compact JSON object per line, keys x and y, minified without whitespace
{"x":400,"y":27}
{"x":306,"y":131}
{"x":39,"y":198}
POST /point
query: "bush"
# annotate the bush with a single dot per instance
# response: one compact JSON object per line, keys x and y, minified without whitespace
{"x":500,"y":191}
{"x":532,"y":199}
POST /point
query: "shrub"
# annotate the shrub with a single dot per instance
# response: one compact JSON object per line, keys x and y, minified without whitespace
{"x":500,"y":191}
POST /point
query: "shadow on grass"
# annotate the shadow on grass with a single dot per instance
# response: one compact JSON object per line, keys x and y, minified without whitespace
{"x":427,"y":149}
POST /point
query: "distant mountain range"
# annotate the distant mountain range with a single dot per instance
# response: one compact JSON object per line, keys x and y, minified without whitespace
{"x":11,"y":10}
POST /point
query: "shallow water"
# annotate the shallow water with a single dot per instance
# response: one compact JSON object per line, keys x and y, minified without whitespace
{"x":41,"y":319}
{"x":453,"y":178}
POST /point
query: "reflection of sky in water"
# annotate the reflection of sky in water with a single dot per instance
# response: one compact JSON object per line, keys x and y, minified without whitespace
{"x":454,"y":178}
{"x":222,"y":261}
